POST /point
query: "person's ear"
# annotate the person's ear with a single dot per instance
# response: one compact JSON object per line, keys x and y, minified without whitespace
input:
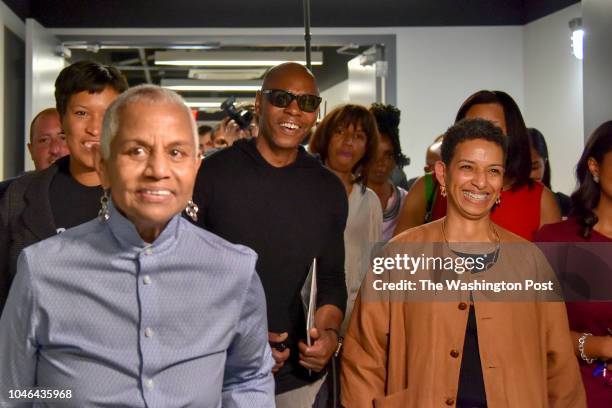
{"x":440,"y":172}
{"x":101,"y":165}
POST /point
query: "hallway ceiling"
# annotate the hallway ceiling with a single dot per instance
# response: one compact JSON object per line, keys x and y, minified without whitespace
{"x":283,"y":13}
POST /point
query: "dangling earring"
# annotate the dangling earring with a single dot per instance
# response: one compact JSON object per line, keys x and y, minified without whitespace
{"x":498,"y":201}
{"x":192,"y":210}
{"x":104,"y":214}
{"x":596,"y":178}
{"x":443,"y":191}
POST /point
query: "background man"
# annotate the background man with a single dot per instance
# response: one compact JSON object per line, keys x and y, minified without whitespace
{"x":432,"y":155}
{"x":205,"y":139}
{"x":47,"y":140}
{"x":296,"y":211}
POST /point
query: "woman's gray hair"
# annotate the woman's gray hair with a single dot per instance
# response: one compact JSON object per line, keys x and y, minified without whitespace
{"x":151,"y":94}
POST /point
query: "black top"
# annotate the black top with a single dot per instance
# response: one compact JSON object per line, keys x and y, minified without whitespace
{"x":289,"y":216}
{"x":71,"y":202}
{"x":471,"y":393}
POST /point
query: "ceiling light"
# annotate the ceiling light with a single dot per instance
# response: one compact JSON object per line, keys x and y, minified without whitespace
{"x":204,"y":104}
{"x":240,"y":74}
{"x":577,"y":37}
{"x":220,"y":86}
{"x":212,"y":104}
{"x":123,"y":45}
{"x":233,"y":58}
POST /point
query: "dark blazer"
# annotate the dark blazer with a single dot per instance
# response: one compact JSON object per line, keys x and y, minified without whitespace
{"x":4,"y":185}
{"x":25,"y":218}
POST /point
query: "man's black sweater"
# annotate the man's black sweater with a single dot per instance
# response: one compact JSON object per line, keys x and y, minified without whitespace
{"x":289,"y":216}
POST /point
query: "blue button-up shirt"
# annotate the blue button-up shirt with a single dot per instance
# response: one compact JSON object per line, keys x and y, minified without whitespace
{"x":180,"y":322}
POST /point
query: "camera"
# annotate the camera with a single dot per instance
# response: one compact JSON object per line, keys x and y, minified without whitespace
{"x":242,"y":117}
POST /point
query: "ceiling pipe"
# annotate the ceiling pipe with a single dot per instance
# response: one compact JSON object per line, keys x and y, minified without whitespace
{"x":307,"y":33}
{"x":145,"y":66}
{"x":127,"y":45}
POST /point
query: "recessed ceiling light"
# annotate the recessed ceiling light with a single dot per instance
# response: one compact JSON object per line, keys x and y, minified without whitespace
{"x":233,"y":58}
{"x":220,"y":86}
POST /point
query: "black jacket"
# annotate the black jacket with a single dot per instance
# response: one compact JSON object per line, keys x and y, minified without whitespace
{"x":25,"y":218}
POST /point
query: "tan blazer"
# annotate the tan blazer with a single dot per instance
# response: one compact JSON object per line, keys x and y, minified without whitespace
{"x":408,"y":354}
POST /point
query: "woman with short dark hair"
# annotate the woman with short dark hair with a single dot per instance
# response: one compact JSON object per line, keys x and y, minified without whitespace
{"x":41,"y":204}
{"x":465,"y":348}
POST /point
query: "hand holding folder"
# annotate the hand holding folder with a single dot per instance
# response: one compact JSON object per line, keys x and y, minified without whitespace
{"x":309,"y":301}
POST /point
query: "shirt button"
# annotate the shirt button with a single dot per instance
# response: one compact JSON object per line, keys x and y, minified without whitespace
{"x":146,"y":280}
{"x":149,"y":383}
{"x":148,"y":251}
{"x":450,"y":401}
{"x":148,"y":332}
{"x":454,"y":353}
{"x":462,"y":306}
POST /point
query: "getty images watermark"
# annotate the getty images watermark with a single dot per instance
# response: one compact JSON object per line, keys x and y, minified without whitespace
{"x":458,"y":264}
{"x":488,"y":272}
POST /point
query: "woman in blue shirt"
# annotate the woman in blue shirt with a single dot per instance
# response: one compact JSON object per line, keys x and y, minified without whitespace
{"x":139,"y":307}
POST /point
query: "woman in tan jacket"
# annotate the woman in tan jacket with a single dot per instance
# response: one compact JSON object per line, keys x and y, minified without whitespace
{"x":459,"y":348}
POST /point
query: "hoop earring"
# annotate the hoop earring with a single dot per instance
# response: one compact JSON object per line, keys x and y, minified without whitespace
{"x":596,"y":178}
{"x":498,"y":200}
{"x":192,"y":210}
{"x":443,"y":191}
{"x":104,"y":214}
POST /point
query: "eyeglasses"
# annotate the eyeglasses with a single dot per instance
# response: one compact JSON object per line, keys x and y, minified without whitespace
{"x":281,"y":99}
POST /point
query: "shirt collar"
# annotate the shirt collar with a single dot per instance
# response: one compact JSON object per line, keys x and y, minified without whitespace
{"x":125,"y":232}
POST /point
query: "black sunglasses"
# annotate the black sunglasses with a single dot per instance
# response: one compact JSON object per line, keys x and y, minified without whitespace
{"x":282,"y":99}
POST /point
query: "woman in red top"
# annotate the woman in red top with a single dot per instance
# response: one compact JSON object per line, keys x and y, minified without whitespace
{"x":591,"y":221}
{"x":524,"y":205}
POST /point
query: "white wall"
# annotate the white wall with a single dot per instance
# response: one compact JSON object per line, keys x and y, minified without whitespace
{"x":362,"y":83}
{"x":334,"y":96}
{"x":42,"y":68}
{"x":11,"y":21}
{"x":439,"y":67}
{"x":597,"y":23}
{"x":553,"y":92}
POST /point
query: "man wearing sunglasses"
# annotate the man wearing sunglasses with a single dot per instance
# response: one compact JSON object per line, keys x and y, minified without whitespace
{"x":269,"y":194}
